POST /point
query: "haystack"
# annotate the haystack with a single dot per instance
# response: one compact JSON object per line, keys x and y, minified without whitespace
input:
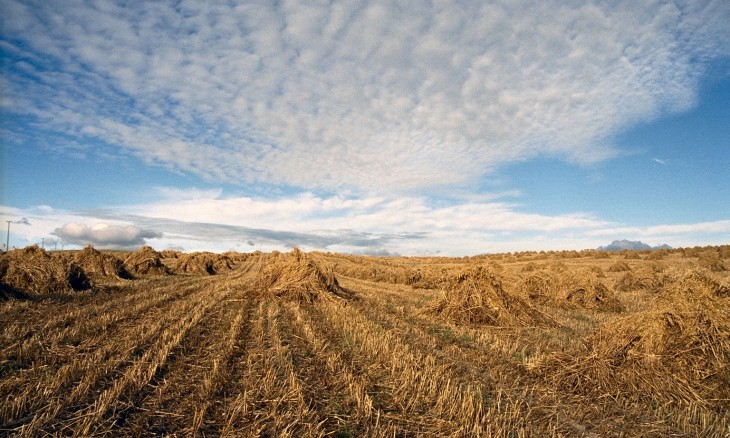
{"x":146,"y":261}
{"x":202,"y":263}
{"x":542,"y":287}
{"x":619,"y":266}
{"x":693,"y":284}
{"x":584,"y":289}
{"x":236,"y":257}
{"x":530,"y":267}
{"x":642,"y":279}
{"x":712,"y":262}
{"x":193,"y":263}
{"x":99,"y":266}
{"x":224,"y":263}
{"x":476,"y":296}
{"x":678,"y":352}
{"x":296,"y":277}
{"x":32,"y":272}
{"x":170,"y":254}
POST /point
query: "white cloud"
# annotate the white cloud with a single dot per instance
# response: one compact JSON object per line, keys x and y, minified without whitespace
{"x":368,"y":96}
{"x":206,"y":220}
{"x":104,"y":235}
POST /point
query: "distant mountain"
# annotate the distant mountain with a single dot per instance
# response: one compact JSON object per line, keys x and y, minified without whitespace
{"x":662,"y":246}
{"x":635,"y":245}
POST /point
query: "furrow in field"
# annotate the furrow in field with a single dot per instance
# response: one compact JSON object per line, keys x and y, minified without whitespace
{"x":102,"y":414}
{"x":88,"y":323}
{"x":425,"y":394}
{"x":329,"y":385}
{"x":272,"y":401}
{"x":89,"y":373}
{"x":66,"y":374}
{"x":347,"y":391}
{"x":177,"y":399}
{"x":225,"y":385}
{"x":476,"y":351}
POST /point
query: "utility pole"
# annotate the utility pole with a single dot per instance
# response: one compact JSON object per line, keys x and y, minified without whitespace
{"x":7,"y":241}
{"x":43,"y":242}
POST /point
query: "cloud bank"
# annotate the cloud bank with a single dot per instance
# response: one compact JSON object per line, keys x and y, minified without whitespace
{"x":365,"y":96}
{"x":367,"y":225}
{"x":104,"y":235}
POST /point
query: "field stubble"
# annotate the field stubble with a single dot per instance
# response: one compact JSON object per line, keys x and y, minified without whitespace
{"x":324,"y":345}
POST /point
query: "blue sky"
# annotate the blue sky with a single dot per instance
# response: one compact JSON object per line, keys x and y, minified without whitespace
{"x":368,"y":127}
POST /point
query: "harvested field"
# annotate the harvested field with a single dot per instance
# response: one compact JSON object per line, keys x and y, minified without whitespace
{"x":677,"y":353}
{"x":289,"y":344}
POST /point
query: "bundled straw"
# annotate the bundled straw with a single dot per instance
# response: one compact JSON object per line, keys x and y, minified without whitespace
{"x":170,"y":254}
{"x":203,"y":263}
{"x":146,"y":261}
{"x":584,"y":289}
{"x":642,"y":279}
{"x":678,"y":352}
{"x":568,"y":290}
{"x":99,"y":266}
{"x":693,"y":284}
{"x":296,"y":277}
{"x":540,"y":286}
{"x":476,"y":296}
{"x":32,"y":272}
{"x":619,"y":266}
{"x":712,"y":262}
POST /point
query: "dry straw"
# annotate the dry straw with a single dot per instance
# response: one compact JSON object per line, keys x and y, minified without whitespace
{"x":541,"y":287}
{"x":170,"y":254}
{"x":146,"y":261}
{"x":712,"y":262}
{"x":100,"y":266}
{"x":584,"y":289}
{"x":694,"y":283}
{"x":476,"y":296}
{"x":203,"y":263}
{"x":33,"y":272}
{"x":619,"y":266}
{"x":297,"y":277}
{"x":642,"y":279}
{"x":581,"y":288}
{"x":677,"y":352}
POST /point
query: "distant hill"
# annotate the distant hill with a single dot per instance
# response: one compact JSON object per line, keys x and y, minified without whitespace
{"x":636,"y":245}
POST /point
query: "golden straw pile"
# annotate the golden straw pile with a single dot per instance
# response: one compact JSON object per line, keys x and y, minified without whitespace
{"x":476,"y":296}
{"x":297,"y":277}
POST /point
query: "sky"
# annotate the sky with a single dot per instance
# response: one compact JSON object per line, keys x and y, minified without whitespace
{"x":365,"y":127}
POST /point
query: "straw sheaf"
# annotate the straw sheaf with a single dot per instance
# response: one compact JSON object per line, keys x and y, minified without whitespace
{"x":619,"y":266}
{"x":146,"y":261}
{"x":297,"y":277}
{"x":678,"y":352}
{"x":642,"y":279}
{"x":99,"y":266}
{"x":539,"y":286}
{"x":33,"y":272}
{"x":585,"y":290}
{"x":476,"y":296}
{"x":203,"y":263}
{"x":695,"y":283}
